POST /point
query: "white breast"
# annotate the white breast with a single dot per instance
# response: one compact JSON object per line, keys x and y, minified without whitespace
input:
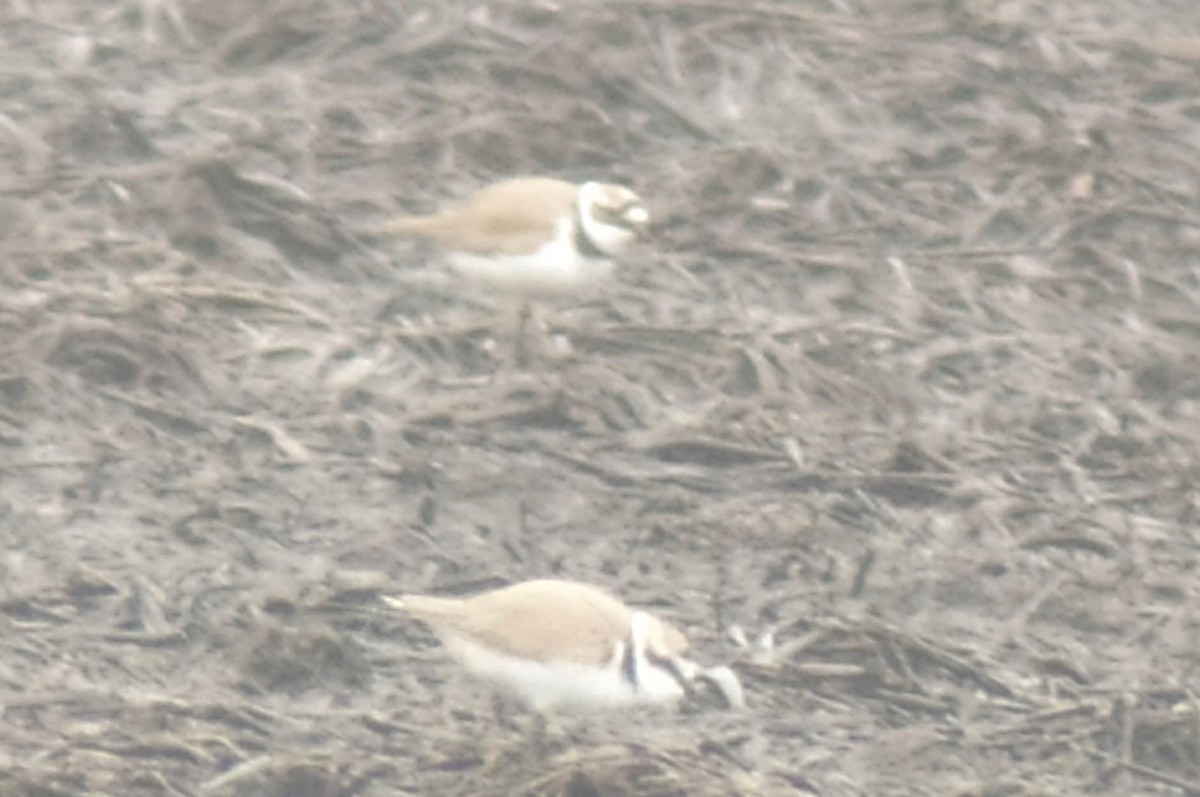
{"x":563,"y":685}
{"x":555,"y":270}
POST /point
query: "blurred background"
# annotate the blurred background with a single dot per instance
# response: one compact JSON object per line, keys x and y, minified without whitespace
{"x":897,"y":411}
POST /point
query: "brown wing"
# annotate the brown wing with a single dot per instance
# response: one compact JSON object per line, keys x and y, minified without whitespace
{"x":511,"y":217}
{"x":541,"y":620}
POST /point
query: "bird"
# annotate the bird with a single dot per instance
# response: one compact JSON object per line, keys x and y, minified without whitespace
{"x":533,"y":238}
{"x":538,"y":237}
{"x":560,"y":645}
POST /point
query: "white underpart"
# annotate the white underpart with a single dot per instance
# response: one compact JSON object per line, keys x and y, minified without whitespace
{"x":566,"y":685}
{"x":557,"y":269}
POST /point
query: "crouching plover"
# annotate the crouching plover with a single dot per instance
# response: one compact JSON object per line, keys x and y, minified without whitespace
{"x":560,"y":644}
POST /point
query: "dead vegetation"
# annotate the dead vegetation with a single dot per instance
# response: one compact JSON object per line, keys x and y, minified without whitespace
{"x":899,"y":413}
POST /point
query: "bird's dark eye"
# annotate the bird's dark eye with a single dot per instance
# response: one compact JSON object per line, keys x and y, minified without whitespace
{"x":612,"y":215}
{"x":627,"y":215}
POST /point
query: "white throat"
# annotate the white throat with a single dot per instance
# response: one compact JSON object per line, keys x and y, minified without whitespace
{"x":608,"y":238}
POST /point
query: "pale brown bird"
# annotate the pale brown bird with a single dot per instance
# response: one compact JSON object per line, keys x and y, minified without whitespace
{"x":560,"y":644}
{"x":533,"y":238}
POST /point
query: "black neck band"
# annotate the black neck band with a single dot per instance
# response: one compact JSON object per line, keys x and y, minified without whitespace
{"x":629,"y":665}
{"x":586,"y":246}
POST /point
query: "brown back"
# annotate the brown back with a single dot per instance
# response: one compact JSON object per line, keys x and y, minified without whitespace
{"x":511,"y":217}
{"x":544,"y":620}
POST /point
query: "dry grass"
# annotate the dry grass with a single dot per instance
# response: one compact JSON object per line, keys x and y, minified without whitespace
{"x":906,"y":392}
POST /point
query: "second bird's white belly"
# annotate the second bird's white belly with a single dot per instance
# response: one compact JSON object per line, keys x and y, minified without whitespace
{"x":550,"y":685}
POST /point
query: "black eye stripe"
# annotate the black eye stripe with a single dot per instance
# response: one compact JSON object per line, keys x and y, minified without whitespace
{"x":617,"y":217}
{"x":617,"y":210}
{"x":667,"y":663}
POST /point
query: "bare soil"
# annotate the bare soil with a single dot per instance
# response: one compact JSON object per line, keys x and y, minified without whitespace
{"x":897,"y":413}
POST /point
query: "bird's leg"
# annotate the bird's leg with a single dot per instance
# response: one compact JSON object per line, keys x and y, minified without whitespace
{"x":524,"y":318}
{"x":503,"y":709}
{"x":544,"y":736}
{"x":510,"y":349}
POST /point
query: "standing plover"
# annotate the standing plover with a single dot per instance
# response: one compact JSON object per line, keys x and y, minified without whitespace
{"x":531,"y":238}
